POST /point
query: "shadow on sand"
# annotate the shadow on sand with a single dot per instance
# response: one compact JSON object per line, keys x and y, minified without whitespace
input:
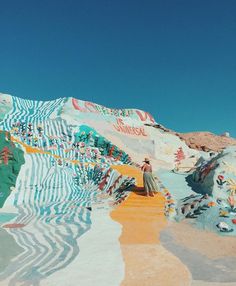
{"x":138,"y":191}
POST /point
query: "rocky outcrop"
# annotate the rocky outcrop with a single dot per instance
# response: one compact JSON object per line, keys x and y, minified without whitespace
{"x":202,"y":141}
{"x":206,"y":141}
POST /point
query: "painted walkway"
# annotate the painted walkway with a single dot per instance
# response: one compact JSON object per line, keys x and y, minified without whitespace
{"x":142,"y":219}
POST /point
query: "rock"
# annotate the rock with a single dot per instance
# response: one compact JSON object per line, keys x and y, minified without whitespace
{"x":223,"y":226}
{"x":206,"y":141}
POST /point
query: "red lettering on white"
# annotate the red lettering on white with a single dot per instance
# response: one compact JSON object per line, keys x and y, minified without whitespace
{"x":88,"y":105}
{"x":145,"y":115}
{"x":120,"y":121}
{"x":76,"y":105}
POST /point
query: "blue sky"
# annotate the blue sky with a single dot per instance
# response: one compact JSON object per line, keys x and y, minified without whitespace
{"x":173,"y":58}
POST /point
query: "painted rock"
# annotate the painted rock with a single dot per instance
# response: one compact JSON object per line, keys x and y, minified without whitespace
{"x":223,"y":226}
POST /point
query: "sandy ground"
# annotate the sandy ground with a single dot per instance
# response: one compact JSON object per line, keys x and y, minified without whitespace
{"x":152,"y":264}
{"x":210,"y":258}
{"x":201,"y":283}
{"x":205,"y":242}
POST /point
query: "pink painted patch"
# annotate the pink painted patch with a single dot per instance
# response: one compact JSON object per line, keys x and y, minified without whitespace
{"x":14,"y":225}
{"x":221,"y":177}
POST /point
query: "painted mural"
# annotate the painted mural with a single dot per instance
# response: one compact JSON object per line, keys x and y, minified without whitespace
{"x":64,"y":173}
{"x":89,"y":107}
{"x":72,"y":200}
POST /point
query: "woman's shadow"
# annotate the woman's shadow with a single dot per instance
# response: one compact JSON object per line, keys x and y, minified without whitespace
{"x":138,"y":191}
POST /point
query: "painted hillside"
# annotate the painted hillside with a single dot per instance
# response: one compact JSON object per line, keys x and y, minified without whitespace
{"x":71,"y":197}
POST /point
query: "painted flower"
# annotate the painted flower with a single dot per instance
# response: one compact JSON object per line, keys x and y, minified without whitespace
{"x":211,"y":204}
{"x":223,"y":213}
{"x":220,"y":177}
{"x":231,"y":201}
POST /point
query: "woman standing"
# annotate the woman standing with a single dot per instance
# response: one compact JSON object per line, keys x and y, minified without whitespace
{"x":149,"y":183}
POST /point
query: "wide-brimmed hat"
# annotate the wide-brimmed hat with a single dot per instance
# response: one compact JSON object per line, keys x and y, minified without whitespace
{"x":146,"y":160}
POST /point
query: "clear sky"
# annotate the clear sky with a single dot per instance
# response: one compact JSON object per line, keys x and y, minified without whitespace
{"x":173,"y":58}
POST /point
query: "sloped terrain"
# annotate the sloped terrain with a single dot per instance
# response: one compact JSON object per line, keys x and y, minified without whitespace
{"x":75,"y":169}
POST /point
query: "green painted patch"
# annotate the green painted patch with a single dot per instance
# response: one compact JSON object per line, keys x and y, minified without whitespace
{"x":11,"y":160}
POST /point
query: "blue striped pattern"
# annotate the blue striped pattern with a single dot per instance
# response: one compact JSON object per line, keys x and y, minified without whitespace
{"x":30,"y":111}
{"x":53,"y":206}
{"x":54,"y":201}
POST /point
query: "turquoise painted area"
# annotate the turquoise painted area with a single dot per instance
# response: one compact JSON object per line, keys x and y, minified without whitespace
{"x":92,"y":138}
{"x":5,"y":217}
{"x":205,"y":218}
{"x":175,"y":183}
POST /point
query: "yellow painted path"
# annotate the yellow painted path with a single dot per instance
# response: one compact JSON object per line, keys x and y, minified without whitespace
{"x":142,"y":219}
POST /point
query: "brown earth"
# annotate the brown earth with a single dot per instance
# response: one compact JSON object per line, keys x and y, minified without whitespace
{"x":203,"y":141}
{"x":206,"y":141}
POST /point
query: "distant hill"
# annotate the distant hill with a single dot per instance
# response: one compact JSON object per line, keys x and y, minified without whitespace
{"x":202,"y":141}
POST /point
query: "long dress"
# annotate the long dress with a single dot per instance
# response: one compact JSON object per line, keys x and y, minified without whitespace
{"x":150,"y":185}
